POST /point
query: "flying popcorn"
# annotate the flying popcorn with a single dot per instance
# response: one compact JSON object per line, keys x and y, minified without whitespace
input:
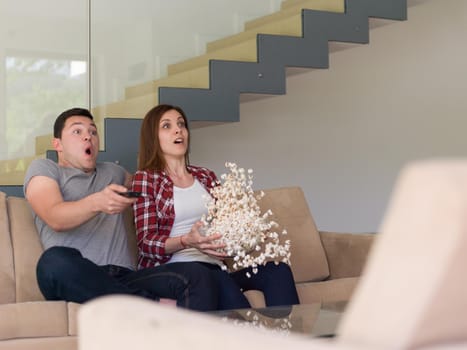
{"x":249,"y":235}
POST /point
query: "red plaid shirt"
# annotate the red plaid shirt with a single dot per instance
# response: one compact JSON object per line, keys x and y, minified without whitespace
{"x":155,"y":214}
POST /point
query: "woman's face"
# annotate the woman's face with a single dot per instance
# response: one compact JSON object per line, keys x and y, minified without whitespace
{"x":173,"y":134}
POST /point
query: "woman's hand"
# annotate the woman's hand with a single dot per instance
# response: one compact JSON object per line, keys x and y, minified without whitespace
{"x":205,"y":244}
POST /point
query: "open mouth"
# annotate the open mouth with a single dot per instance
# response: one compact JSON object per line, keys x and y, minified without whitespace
{"x":178,"y":141}
{"x":88,"y":151}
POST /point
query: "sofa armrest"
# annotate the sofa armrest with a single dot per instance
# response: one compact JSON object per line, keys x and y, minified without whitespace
{"x":346,"y":252}
{"x":127,"y":322}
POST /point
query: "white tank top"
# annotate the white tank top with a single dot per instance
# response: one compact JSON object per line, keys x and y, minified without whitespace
{"x":189,"y":206}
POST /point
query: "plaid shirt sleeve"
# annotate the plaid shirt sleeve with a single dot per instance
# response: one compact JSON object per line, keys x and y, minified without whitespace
{"x":152,"y":232}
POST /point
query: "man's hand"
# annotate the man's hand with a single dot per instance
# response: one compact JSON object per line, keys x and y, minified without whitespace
{"x":170,"y":302}
{"x":109,"y":201}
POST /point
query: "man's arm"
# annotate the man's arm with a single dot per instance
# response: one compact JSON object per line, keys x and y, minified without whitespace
{"x":43,"y":193}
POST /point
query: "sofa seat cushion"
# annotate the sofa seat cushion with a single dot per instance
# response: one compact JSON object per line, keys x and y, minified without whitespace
{"x":73,"y":318}
{"x":313,"y":292}
{"x":291,"y":212}
{"x":46,"y":343}
{"x":255,"y":298}
{"x":34,"y":319}
{"x":340,"y":289}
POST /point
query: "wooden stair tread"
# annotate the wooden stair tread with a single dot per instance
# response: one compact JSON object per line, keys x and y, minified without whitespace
{"x":280,"y":23}
{"x":194,"y":78}
{"x":295,"y":7}
{"x":135,"y":107}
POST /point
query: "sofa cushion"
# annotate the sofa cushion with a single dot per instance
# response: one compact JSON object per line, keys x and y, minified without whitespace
{"x":290,"y":211}
{"x":44,"y":343}
{"x":346,"y":252}
{"x":73,"y":309}
{"x":7,"y":273}
{"x":255,"y":298}
{"x":329,"y":291}
{"x":33,"y":319}
{"x":27,"y":249}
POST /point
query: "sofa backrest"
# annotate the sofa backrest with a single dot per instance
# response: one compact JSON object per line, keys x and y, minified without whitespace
{"x":27,"y":249}
{"x":290,"y":211}
{"x":20,"y":249}
{"x":7,"y":271}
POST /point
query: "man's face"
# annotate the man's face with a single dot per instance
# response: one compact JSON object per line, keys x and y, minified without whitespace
{"x":79,"y":145}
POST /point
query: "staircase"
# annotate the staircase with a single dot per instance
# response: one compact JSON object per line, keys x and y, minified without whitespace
{"x":208,"y":87}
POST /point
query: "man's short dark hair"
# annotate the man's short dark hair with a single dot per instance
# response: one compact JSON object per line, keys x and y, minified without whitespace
{"x":61,"y":119}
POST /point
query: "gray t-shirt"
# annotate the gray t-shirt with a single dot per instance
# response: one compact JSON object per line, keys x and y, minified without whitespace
{"x":103,"y":239}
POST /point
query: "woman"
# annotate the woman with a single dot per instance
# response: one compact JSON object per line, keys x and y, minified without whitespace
{"x":168,"y":212}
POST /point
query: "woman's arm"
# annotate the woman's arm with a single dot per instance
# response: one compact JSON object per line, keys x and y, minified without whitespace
{"x":151,"y":235}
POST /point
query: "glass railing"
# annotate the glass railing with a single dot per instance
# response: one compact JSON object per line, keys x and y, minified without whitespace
{"x":45,"y":48}
{"x":133,"y":42}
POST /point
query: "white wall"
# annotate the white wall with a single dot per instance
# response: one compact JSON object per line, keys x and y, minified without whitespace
{"x":343,"y":134}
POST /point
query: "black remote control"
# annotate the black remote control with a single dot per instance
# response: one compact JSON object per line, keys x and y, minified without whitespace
{"x":130,"y":194}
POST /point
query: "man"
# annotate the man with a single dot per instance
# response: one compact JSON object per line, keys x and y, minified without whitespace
{"x":78,"y":210}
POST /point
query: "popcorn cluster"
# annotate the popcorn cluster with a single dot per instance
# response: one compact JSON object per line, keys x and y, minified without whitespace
{"x":233,"y":211}
{"x":252,"y":318}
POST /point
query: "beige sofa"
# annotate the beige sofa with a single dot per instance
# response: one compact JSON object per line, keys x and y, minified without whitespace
{"x":27,"y":321}
{"x":326,"y":267}
{"x":412,"y":293}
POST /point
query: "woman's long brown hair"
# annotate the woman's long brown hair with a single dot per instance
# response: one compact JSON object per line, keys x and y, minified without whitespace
{"x":150,"y":155}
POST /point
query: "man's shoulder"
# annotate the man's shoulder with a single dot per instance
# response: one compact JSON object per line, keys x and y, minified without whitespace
{"x":41,"y":167}
{"x":43,"y":163}
{"x":44,"y":167}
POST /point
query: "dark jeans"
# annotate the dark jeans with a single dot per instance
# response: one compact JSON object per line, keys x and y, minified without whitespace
{"x":64,"y":274}
{"x":275,"y":281}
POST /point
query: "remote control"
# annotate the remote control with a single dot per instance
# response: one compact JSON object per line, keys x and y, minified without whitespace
{"x":130,"y":194}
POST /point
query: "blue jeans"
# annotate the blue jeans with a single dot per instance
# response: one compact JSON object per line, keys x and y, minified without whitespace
{"x":275,"y":281}
{"x":64,"y":274}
